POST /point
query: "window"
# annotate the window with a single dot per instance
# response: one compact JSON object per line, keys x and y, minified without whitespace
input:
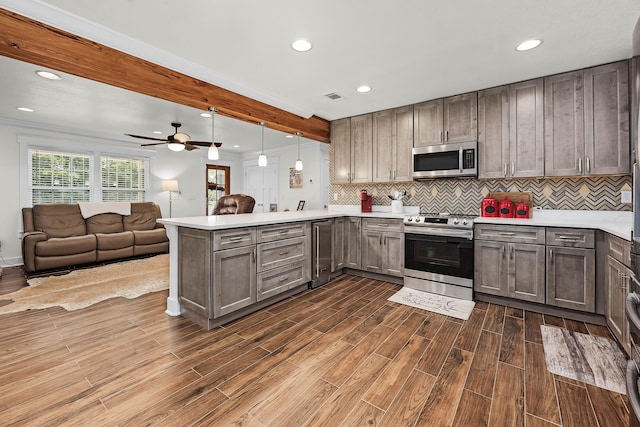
{"x":122,"y":179}
{"x":58,"y":171}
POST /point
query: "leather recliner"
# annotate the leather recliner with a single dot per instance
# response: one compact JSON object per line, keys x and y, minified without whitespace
{"x":234,"y":204}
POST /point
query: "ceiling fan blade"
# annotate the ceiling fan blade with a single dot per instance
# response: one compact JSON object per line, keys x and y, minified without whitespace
{"x":205,"y":143}
{"x":155,"y":143}
{"x":146,"y":137}
{"x":190,"y":147}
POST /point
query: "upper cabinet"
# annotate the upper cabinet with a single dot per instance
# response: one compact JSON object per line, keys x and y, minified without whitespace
{"x":510,"y":131}
{"x":452,"y":119}
{"x":351,"y":146}
{"x":392,"y":144}
{"x":587,"y":122}
{"x":341,"y":151}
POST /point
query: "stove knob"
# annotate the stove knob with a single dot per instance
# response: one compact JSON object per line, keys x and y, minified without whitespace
{"x":409,"y":219}
{"x":465,"y":222}
{"x":417,"y":219}
{"x":455,"y":221}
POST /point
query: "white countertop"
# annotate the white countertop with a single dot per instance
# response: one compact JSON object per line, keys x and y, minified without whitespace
{"x":617,"y":223}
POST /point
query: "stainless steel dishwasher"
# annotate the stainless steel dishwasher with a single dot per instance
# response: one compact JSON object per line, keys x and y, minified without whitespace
{"x":322,"y":252}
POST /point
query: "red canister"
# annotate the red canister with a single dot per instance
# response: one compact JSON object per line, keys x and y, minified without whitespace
{"x":489,"y":207}
{"x":522,"y":210}
{"x":506,"y":208}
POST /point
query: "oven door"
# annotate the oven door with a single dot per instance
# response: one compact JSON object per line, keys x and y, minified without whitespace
{"x":439,"y":255}
{"x":633,"y":315}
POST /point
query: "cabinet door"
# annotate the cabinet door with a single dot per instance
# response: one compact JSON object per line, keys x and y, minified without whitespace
{"x":362,"y":148}
{"x":427,"y":123}
{"x":571,"y":278}
{"x":616,"y":297}
{"x":493,"y":132}
{"x":460,"y":114}
{"x":352,"y":254}
{"x":526,"y":272}
{"x":341,"y":151}
{"x":526,"y":142}
{"x":490,"y":267}
{"x":394,"y":254}
{"x":383,"y":142}
{"x":564,"y":124}
{"x":194,"y":269}
{"x":403,"y":144}
{"x":607,"y":119}
{"x":372,"y":251}
{"x":339,"y":242}
{"x":234,"y":280}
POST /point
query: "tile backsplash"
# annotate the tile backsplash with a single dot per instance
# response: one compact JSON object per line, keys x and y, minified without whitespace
{"x":464,"y":195}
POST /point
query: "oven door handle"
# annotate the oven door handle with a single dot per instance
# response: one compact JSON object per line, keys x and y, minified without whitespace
{"x":632,"y":387}
{"x":433,"y":231}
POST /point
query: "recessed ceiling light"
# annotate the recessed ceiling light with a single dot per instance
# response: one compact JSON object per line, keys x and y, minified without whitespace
{"x":528,"y":45}
{"x":48,"y":75}
{"x":364,"y":89}
{"x":236,"y":146}
{"x":301,"y":45}
{"x":205,"y":115}
{"x":157,"y":132}
{"x":26,"y":109}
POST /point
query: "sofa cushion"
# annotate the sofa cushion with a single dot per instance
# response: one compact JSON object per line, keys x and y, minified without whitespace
{"x":105,"y":223}
{"x":66,"y":246}
{"x":111,"y":241}
{"x":150,"y":237}
{"x":143,"y":217}
{"x":59,"y":220}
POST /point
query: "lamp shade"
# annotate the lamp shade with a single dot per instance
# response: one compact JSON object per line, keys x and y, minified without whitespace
{"x":213,"y":154}
{"x":170,"y":185}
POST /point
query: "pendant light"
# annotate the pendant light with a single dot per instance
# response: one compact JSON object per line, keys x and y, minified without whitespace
{"x":213,"y":153}
{"x":299,"y":162}
{"x":262,"y":160}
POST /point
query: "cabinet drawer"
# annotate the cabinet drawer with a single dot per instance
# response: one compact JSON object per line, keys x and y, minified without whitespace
{"x":277,"y":280}
{"x":234,"y":238}
{"x":270,"y":233}
{"x":382,"y":224}
{"x":282,"y":252}
{"x":510,"y":233}
{"x":619,"y":249}
{"x":571,"y":237}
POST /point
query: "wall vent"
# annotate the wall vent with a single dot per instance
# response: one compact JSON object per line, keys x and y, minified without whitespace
{"x":334,"y":96}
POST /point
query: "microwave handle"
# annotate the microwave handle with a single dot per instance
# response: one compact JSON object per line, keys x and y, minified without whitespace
{"x":460,"y":159}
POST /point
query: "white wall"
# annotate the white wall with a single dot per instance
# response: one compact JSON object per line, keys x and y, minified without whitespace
{"x":188,"y":168}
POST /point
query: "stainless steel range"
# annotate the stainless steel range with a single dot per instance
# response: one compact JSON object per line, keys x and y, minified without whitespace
{"x":438,"y":254}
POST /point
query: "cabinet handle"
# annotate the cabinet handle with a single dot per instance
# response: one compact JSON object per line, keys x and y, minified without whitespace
{"x":389,"y":173}
{"x":446,"y":133}
{"x":282,"y":279}
{"x":394,"y":174}
{"x":505,"y":169}
{"x":441,"y":138}
{"x":588,"y":165}
{"x":506,"y":233}
{"x":580,"y":165}
{"x":504,"y":251}
{"x":284,"y":231}
{"x":551,"y":256}
{"x":283,"y":253}
{"x":513,"y":168}
{"x":511,"y":250}
{"x":235,"y":239}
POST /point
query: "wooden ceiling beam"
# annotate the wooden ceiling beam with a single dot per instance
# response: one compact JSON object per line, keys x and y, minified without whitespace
{"x":32,"y":41}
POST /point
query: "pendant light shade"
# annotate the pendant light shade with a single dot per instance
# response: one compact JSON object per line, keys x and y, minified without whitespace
{"x":299,"y":165}
{"x":262,"y":160}
{"x":212,"y":153}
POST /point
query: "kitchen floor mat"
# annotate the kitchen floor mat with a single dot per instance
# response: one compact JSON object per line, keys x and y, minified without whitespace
{"x":454,"y":307}
{"x":591,"y":359}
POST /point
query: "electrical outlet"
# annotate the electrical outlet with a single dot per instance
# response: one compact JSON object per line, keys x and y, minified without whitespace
{"x":625,"y":196}
{"x":335,"y":196}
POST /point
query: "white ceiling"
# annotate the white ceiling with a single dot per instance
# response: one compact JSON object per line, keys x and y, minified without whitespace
{"x":407,"y":50}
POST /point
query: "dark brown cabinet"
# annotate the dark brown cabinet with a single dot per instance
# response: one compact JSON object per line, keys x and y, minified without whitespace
{"x":452,"y":119}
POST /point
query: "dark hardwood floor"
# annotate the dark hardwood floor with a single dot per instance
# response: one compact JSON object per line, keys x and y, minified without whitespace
{"x":337,"y":355}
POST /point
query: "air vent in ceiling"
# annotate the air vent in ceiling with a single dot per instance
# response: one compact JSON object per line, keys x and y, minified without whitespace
{"x":334,"y":96}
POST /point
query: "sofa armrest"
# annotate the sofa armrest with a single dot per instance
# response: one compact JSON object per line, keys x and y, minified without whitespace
{"x":29,"y":241}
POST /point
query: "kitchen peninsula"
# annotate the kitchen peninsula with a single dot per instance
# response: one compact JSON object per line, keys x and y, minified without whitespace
{"x":258,"y":259}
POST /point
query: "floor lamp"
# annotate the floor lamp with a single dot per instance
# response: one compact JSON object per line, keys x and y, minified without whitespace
{"x":170,"y":185}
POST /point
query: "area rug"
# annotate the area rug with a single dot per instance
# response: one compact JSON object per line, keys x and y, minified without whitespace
{"x":454,"y":307}
{"x":82,"y":288}
{"x":591,"y":359}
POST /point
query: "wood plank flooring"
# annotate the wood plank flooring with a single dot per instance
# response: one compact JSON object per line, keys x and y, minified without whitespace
{"x":337,"y":355}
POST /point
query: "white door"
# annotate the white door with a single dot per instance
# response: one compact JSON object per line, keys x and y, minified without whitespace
{"x":261,"y":183}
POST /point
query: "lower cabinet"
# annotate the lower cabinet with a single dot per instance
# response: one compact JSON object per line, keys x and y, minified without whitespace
{"x":617,"y":277}
{"x":383,"y":247}
{"x":346,"y":243}
{"x":234,"y":279}
{"x":514,"y":270}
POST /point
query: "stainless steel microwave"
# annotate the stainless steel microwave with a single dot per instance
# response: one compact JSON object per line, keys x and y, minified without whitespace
{"x":446,"y":160}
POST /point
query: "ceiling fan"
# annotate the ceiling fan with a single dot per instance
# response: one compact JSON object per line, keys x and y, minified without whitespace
{"x":177,"y":142}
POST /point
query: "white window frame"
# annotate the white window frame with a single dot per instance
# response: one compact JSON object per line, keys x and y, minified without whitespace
{"x":97,"y":151}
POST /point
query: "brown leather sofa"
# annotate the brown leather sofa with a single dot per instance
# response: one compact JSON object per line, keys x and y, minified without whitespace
{"x":57,"y":235}
{"x":234,"y":204}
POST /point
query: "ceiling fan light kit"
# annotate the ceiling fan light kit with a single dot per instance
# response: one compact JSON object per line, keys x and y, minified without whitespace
{"x":173,"y":146}
{"x":179,"y":141}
